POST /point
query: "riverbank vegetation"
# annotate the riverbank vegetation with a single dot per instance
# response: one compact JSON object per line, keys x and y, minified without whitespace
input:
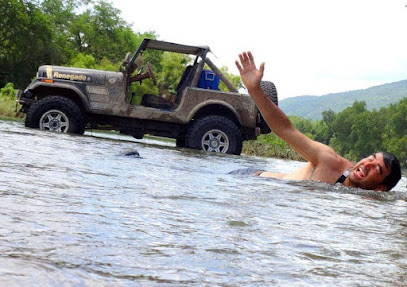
{"x":92,"y":34}
{"x":8,"y":102}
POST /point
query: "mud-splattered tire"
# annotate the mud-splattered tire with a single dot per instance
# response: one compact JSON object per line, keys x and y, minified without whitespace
{"x":215,"y":134}
{"x":270,"y":89}
{"x":56,"y":114}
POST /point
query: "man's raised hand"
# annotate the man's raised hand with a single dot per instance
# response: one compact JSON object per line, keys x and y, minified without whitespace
{"x":251,"y":76}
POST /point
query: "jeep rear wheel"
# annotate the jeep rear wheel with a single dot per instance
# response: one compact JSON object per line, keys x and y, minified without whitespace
{"x":56,"y":114}
{"x":215,"y":134}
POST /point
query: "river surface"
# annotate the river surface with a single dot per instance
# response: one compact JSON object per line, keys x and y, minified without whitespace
{"x":75,"y":211}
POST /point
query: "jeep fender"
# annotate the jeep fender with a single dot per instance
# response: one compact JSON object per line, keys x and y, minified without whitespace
{"x":61,"y":86}
{"x":209,"y":103}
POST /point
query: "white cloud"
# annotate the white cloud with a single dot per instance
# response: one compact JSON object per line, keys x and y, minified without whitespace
{"x":310,"y":47}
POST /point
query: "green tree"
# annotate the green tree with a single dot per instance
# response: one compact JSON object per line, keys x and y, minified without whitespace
{"x":343,"y":140}
{"x":172,"y":65}
{"x":367,"y":130}
{"x":19,"y":49}
{"x":398,"y":146}
{"x":303,"y":125}
{"x":34,"y":33}
{"x":234,"y":79}
{"x":325,"y":131}
{"x":397,"y":123}
{"x":102,"y":32}
{"x":395,"y":132}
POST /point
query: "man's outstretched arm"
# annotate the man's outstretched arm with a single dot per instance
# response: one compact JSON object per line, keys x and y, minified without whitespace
{"x":279,"y":123}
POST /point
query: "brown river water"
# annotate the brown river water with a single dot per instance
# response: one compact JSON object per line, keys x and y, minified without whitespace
{"x":75,"y":211}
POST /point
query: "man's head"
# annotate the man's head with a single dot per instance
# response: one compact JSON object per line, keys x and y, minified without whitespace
{"x":379,"y":171}
{"x":395,"y":171}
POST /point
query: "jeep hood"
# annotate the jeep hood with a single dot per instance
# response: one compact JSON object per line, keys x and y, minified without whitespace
{"x":78,"y":75}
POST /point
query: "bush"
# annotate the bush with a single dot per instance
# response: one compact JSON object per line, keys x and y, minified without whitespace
{"x":8,"y":92}
{"x":8,"y":101}
{"x":270,"y":146}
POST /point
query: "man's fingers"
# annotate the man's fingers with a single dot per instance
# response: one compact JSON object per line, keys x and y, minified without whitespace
{"x":238,"y":65}
{"x":242,"y":58}
{"x":250,"y":58}
{"x":246,"y":59}
{"x":261,"y":69}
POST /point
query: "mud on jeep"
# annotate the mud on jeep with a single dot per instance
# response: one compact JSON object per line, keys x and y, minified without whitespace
{"x":135,"y":101}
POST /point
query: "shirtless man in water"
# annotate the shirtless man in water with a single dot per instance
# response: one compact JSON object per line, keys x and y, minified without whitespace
{"x":379,"y":171}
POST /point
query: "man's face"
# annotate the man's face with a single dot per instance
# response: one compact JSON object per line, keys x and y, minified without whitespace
{"x":369,"y":173}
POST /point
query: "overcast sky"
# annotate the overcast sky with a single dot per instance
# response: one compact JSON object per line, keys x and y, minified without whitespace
{"x":310,"y":47}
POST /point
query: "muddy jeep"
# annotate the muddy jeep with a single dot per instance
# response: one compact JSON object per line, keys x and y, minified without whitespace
{"x":139,"y":100}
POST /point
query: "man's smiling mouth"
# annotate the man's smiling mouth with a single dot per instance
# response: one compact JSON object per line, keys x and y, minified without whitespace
{"x":361,"y":171}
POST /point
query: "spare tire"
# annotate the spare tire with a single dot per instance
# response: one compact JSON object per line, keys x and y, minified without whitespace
{"x":271,"y":91}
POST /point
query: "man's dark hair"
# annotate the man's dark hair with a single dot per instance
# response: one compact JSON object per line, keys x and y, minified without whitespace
{"x":393,"y":164}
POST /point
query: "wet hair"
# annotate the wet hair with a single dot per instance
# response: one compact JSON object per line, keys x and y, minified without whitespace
{"x":393,"y":164}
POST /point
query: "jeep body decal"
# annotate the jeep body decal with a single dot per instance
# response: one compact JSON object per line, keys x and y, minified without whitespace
{"x":49,"y":72}
{"x":71,"y":77}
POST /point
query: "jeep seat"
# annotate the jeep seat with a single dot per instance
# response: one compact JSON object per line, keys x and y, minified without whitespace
{"x":153,"y":101}
{"x":186,"y":80}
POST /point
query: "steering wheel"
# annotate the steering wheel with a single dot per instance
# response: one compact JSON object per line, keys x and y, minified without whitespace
{"x":123,"y":66}
{"x":151,"y":73}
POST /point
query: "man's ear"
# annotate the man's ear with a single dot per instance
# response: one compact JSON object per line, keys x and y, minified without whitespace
{"x":380,"y":187}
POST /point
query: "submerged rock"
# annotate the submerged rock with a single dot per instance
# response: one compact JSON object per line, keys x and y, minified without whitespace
{"x":132,"y":154}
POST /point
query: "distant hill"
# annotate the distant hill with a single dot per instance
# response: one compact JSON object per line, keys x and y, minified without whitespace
{"x":311,"y":107}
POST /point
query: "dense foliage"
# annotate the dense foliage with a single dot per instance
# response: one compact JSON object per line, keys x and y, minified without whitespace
{"x":354,"y":132}
{"x":34,"y":33}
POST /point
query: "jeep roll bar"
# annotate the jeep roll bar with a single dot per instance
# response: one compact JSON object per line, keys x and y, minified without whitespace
{"x":199,"y":51}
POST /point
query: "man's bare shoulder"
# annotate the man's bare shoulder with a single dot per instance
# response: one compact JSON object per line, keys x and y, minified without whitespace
{"x":332,"y":162}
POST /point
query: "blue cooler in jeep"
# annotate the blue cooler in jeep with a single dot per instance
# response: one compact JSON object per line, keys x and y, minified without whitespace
{"x":208,"y":80}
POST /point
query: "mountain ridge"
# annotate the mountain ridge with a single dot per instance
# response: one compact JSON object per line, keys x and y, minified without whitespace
{"x":376,"y":97}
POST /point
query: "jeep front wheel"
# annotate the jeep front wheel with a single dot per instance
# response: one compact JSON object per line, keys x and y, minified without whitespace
{"x":215,"y":134}
{"x":54,"y":121}
{"x":56,"y":114}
